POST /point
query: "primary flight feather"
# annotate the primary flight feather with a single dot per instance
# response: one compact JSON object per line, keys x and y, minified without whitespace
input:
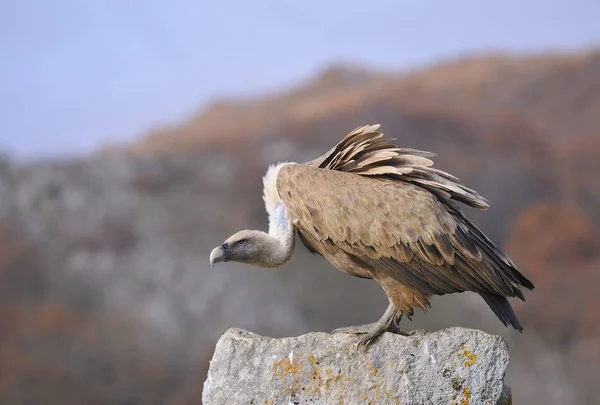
{"x":378,"y":211}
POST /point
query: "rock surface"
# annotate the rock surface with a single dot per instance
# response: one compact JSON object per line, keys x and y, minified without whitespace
{"x":452,"y":366}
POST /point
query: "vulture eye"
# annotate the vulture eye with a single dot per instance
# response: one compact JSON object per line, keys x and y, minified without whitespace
{"x":242,"y":242}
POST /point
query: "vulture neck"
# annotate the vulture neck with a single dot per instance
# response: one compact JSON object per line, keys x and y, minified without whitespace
{"x":281,"y":238}
{"x":281,"y":230}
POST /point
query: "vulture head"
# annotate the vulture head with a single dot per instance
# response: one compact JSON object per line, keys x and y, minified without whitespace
{"x":249,"y":247}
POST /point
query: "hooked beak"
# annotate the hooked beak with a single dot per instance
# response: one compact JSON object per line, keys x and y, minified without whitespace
{"x":217,"y":255}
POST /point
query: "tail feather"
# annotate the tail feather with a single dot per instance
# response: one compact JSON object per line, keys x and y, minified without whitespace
{"x":503,"y":310}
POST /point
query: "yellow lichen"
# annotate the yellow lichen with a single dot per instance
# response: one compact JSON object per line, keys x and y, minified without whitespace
{"x":338,"y":397}
{"x":371,"y":367}
{"x":467,"y":396}
{"x":284,"y":368}
{"x":469,"y":356}
{"x":287,"y":370}
{"x":314,"y":378}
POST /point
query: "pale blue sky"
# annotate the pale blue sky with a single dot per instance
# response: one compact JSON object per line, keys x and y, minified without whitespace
{"x":75,"y":73}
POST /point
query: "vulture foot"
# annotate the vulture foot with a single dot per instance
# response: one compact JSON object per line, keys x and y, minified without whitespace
{"x":371,"y":331}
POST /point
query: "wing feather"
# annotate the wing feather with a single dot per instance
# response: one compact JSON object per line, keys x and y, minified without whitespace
{"x":366,"y":151}
{"x":397,"y":228}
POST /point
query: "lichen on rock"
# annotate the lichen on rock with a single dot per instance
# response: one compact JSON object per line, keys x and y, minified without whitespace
{"x":452,"y":366}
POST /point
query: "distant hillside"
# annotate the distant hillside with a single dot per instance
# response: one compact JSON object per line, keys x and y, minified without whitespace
{"x":557,"y":95}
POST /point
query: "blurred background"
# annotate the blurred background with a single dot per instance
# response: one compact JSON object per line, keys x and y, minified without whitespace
{"x":134,"y":136}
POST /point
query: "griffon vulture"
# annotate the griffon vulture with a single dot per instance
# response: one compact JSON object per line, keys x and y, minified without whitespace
{"x":377,"y":211}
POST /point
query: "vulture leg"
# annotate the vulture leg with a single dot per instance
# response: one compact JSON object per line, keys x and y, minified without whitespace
{"x":387,"y":323}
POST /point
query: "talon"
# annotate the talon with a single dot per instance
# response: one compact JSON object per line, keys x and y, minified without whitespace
{"x":362,"y":344}
{"x":397,"y":321}
{"x":389,"y":322}
{"x":365,"y":342}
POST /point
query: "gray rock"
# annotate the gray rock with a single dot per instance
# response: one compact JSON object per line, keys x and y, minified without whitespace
{"x":452,"y":366}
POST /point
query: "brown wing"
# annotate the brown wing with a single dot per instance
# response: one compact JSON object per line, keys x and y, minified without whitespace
{"x":366,"y":151}
{"x":397,"y":228}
